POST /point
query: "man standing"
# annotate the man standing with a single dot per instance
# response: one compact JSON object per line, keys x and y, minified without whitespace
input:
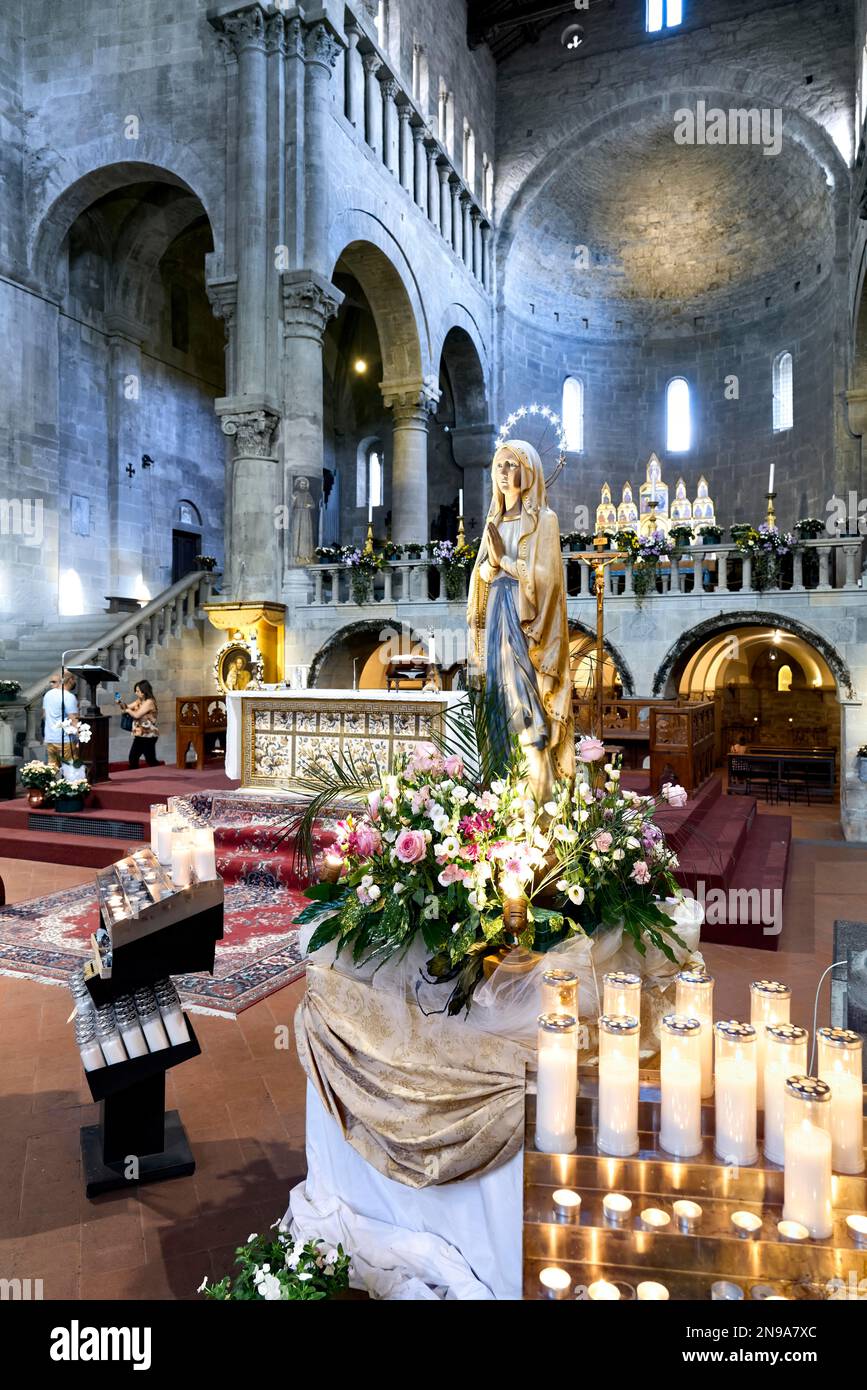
{"x":59,"y":703}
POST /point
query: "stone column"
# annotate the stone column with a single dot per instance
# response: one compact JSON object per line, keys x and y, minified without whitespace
{"x":354,"y":78}
{"x":245,"y":31}
{"x":487,"y":267}
{"x":407,"y":159}
{"x":445,"y":201}
{"x":309,"y":301}
{"x":130,"y":543}
{"x":252,"y":546}
{"x":372,"y":102}
{"x":477,"y":243}
{"x":466,"y":204}
{"x":390,"y":89}
{"x":411,"y":410}
{"x":320,"y":54}
{"x":420,"y":161}
{"x":433,"y":185}
{"x":457,"y":220}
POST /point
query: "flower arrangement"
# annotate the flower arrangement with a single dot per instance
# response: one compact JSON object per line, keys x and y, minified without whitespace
{"x":362,"y":566}
{"x":576,"y":540}
{"x":455,"y":561}
{"x":390,"y":550}
{"x":414,"y":549}
{"x":680,"y":534}
{"x":709,"y":531}
{"x":766,"y":545}
{"x":627,"y":539}
{"x":206,"y":562}
{"x":37,"y":775}
{"x":810,"y":528}
{"x":645,"y":563}
{"x":61,"y":789}
{"x":440,"y":855}
{"x":279,"y":1269}
{"x":78,"y":732}
{"x":9,"y":689}
{"x":329,"y":554}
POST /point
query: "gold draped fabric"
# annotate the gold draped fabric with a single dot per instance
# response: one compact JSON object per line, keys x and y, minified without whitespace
{"x":541,"y":601}
{"x":423,"y":1100}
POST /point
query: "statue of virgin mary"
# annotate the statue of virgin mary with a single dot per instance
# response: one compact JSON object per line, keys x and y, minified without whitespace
{"x":519,"y":635}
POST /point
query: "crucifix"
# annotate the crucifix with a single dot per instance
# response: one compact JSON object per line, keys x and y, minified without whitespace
{"x":598,"y":563}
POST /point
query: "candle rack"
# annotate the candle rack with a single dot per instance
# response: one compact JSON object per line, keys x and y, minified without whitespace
{"x":136,"y":1139}
{"x":687,"y":1257}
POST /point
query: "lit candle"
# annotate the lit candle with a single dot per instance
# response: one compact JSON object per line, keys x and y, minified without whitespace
{"x":735,"y":1088}
{"x":332,"y":867}
{"x":746,"y":1223}
{"x":560,"y":992}
{"x":649,"y":1291}
{"x":555,"y":1281}
{"x":460,"y":501}
{"x":182,"y":859}
{"x":603,"y":1291}
{"x":680,"y":1084}
{"x":807,"y":1175}
{"x":694,"y":999}
{"x":840,"y":1065}
{"x":771,"y":479}
{"x":770,"y":1002}
{"x":156,"y":812}
{"x":370,"y":511}
{"x":165,"y":827}
{"x":556,"y":1083}
{"x":204,"y":855}
{"x":725,"y":1291}
{"x":616,"y":1207}
{"x":785,"y":1056}
{"x":688,"y":1214}
{"x":567,"y":1204}
{"x":617,"y":1122}
{"x":621,"y":994}
{"x":655,"y":1219}
{"x":792,"y":1230}
{"x":857,"y":1228}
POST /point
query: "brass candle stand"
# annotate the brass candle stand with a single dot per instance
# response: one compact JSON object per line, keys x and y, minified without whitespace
{"x":368,"y":544}
{"x":772,"y":515}
{"x":691,"y":1252}
{"x":598,"y":562}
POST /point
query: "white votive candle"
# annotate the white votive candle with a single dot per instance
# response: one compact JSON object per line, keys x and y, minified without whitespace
{"x":746,"y":1223}
{"x":176,"y":1025}
{"x":735,"y":1091}
{"x":785,"y":1056}
{"x":603,"y":1291}
{"x":567,"y":1204}
{"x":792,"y":1230}
{"x":556,"y":1083}
{"x":204,"y":855}
{"x":650,"y":1291}
{"x":687,"y":1214}
{"x":616,"y":1207}
{"x":655,"y":1219}
{"x":724,"y":1291}
{"x":134,"y":1040}
{"x":807,"y":1176}
{"x":617,"y":1120}
{"x":694,"y":999}
{"x":840,"y":1053}
{"x":770,"y":1002}
{"x":621,"y":994}
{"x":559,"y":991}
{"x":555,"y":1281}
{"x":182,"y":859}
{"x":165,"y":828}
{"x":857,"y":1228}
{"x":155,"y":1033}
{"x":680,"y":1084}
{"x":156,"y":813}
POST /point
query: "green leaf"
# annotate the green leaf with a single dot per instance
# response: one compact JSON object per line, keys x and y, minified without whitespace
{"x":324,"y":933}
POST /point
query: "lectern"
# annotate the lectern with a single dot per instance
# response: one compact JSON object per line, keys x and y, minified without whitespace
{"x":95,"y":752}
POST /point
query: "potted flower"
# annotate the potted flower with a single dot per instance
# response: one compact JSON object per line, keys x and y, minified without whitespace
{"x":67,"y":796}
{"x":391,"y":551}
{"x":413,"y":550}
{"x":37,"y":778}
{"x":862,"y":762}
{"x":9,"y":690}
{"x":810,"y":528}
{"x":627,"y":539}
{"x":681,"y":536}
{"x":710,"y":533}
{"x":328,"y":554}
{"x":766,"y":546}
{"x":362,"y":566}
{"x":454,"y":561}
{"x":645,"y":563}
{"x":206,"y":562}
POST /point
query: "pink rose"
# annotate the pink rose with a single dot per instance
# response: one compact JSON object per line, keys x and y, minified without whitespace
{"x":452,"y":873}
{"x":675,"y":795}
{"x":590,"y":750}
{"x":454,"y":766}
{"x":410,"y":846}
{"x":603,"y":841}
{"x":640,"y":872}
{"x":373,"y":803}
{"x":365,"y":841}
{"x":425,"y":758}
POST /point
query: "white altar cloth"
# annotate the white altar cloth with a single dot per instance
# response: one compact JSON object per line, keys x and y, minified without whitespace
{"x":459,"y":1240}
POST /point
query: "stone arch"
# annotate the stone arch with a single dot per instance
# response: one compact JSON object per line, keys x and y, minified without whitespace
{"x":664,"y":678}
{"x":374,"y":631}
{"x":576,"y":627}
{"x":59,"y":213}
{"x":364,"y":246}
{"x":460,"y":356}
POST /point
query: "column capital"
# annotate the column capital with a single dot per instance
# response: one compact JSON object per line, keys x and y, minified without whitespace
{"x":222,"y":292}
{"x":410,"y":401}
{"x":390,"y":86}
{"x":251,"y":431}
{"x":404,"y":112}
{"x":275,"y":33}
{"x":372,"y":62}
{"x":445,"y":173}
{"x":309,"y":301}
{"x":418,"y":131}
{"x":322,"y":45}
{"x":354,"y":32}
{"x":242,"y":29}
{"x":476,"y":216}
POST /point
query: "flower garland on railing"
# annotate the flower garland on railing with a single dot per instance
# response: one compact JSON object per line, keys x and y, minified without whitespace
{"x":766,"y":545}
{"x":439,"y":855}
{"x":455,"y":561}
{"x":645,"y":563}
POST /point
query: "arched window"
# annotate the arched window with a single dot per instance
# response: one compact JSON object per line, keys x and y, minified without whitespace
{"x":663,"y":14}
{"x":446,"y":118}
{"x":783,"y":396}
{"x":487,"y":183}
{"x":469,"y":155}
{"x":678,"y":416}
{"x":420,"y":79}
{"x":573,"y":414}
{"x":368,"y":473}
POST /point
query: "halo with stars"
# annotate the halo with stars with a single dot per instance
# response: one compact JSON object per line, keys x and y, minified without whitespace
{"x":552,"y":419}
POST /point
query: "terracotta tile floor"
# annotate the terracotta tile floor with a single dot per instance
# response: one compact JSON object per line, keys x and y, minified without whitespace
{"x":242,"y":1102}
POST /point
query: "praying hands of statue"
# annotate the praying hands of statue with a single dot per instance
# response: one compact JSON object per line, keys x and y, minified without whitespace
{"x":496,"y":549}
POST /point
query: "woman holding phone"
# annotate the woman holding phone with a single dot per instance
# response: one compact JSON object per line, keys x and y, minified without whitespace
{"x":145,"y":731}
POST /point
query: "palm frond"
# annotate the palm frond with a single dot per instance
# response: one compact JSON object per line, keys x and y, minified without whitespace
{"x":342,"y":781}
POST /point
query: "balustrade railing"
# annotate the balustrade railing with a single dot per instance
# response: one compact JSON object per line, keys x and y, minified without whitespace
{"x":377,"y":105}
{"x":820,"y":566}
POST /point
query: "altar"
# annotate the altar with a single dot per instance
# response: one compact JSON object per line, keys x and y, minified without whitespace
{"x":275,"y":736}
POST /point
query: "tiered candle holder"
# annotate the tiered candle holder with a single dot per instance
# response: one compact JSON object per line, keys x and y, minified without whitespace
{"x":722,"y":1227}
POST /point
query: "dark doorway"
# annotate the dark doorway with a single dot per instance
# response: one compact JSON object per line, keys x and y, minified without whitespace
{"x":185,"y":547}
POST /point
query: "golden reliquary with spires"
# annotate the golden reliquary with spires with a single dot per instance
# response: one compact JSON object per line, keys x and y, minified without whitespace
{"x":655,"y":510}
